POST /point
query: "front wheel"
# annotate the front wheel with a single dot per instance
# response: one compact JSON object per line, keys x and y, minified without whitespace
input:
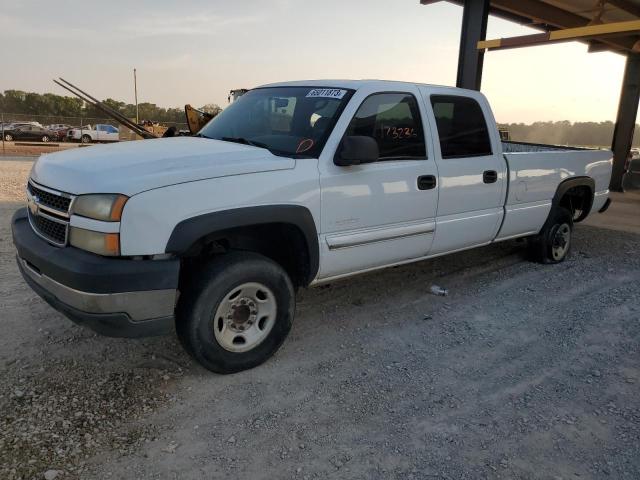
{"x":235,"y":312}
{"x":45,"y":138}
{"x":8,"y":137}
{"x":553,"y":243}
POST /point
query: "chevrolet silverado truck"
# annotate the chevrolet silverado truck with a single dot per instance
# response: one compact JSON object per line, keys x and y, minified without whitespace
{"x":293,"y":185}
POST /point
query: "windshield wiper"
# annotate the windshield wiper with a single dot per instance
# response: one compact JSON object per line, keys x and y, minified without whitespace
{"x":246,"y":141}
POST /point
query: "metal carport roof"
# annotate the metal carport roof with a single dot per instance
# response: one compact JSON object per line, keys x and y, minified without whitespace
{"x":550,"y":15}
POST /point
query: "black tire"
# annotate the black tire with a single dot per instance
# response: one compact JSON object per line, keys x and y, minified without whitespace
{"x":201,"y":296}
{"x":85,"y":139}
{"x":553,"y":243}
{"x":8,"y":137}
{"x":45,"y":138}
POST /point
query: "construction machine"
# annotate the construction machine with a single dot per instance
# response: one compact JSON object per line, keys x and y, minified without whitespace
{"x":196,"y":119}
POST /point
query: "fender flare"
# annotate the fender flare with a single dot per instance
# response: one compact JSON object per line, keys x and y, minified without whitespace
{"x":573,"y":182}
{"x":186,"y":233}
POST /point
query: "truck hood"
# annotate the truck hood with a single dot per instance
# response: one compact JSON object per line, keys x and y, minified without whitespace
{"x":133,"y":167}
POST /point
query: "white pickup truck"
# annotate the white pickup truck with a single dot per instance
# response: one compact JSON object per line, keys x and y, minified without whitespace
{"x":293,"y":185}
{"x":100,"y":133}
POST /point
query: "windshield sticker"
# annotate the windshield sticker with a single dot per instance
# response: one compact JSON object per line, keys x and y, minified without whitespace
{"x":327,"y":93}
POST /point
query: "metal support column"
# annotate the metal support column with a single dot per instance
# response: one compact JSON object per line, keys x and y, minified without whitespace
{"x":626,"y":119}
{"x":474,"y":29}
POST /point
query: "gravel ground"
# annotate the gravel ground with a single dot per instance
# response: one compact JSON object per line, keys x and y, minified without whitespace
{"x":523,"y":371}
{"x":13,"y":179}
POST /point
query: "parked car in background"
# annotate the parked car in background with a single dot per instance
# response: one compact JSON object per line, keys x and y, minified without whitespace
{"x":29,"y":132}
{"x":97,"y":133}
{"x":61,"y":130}
{"x":631,"y":179}
{"x":6,"y":127}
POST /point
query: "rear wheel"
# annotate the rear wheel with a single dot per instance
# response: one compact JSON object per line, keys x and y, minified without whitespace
{"x":86,"y":139}
{"x":553,"y":243}
{"x":45,"y":138}
{"x":235,"y":312}
{"x":8,"y":137}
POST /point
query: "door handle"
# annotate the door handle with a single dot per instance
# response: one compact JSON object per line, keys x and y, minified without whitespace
{"x":490,"y":176}
{"x":426,"y":182}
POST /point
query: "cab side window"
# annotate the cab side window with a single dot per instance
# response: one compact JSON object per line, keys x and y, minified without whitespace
{"x":393,"y":121}
{"x":462,"y":128}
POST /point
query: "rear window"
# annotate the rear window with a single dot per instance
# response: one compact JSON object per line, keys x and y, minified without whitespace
{"x":462,"y":128}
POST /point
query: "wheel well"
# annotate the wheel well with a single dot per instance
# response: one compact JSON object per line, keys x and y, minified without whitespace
{"x":284,"y":243}
{"x":578,"y":200}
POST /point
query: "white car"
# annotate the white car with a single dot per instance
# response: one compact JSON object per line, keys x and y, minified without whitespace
{"x":99,"y":133}
{"x":293,"y":185}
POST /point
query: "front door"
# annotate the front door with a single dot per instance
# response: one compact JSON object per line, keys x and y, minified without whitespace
{"x":472,"y":173}
{"x":383,"y":212}
{"x":101,"y":133}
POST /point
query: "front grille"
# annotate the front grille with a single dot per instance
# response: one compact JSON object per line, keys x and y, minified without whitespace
{"x":54,"y":231}
{"x":48,"y":199}
{"x":49,"y":213}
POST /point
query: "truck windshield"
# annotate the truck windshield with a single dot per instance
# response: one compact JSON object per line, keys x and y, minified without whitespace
{"x":289,"y":121}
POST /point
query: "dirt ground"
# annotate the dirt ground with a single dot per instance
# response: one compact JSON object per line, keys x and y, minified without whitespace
{"x":29,"y":148}
{"x":523,"y":371}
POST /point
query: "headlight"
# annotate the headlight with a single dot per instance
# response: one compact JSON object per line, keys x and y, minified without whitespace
{"x":107,"y":244}
{"x":106,"y":207}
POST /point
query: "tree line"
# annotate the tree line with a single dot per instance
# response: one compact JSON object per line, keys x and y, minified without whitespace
{"x":597,"y":134}
{"x":52,"y":105}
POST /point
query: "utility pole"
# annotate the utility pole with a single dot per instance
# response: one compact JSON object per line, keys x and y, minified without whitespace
{"x":135,"y":90}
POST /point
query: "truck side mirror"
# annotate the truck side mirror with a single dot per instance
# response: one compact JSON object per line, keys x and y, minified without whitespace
{"x":356,"y":149}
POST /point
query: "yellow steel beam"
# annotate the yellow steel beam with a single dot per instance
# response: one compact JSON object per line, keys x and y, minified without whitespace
{"x":563,"y":35}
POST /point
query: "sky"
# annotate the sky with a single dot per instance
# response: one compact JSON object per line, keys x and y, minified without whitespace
{"x":196,"y":51}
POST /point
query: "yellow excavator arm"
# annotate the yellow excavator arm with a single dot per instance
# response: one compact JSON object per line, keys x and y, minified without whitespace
{"x":196,"y":119}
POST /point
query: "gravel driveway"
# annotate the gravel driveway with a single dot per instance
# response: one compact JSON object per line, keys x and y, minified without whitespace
{"x":523,"y":371}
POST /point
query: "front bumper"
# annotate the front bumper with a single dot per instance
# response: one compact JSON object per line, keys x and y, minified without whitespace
{"x":112,"y":296}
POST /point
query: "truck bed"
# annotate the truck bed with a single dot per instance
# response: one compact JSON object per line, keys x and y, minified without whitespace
{"x":535,"y":171}
{"x":518,"y":147}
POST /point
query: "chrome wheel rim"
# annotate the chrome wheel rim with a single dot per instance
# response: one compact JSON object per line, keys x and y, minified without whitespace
{"x":245,"y":317}
{"x":45,"y":139}
{"x":8,"y":138}
{"x":560,"y":242}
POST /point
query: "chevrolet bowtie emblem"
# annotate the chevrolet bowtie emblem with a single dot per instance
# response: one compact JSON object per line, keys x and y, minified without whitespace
{"x":32,"y":203}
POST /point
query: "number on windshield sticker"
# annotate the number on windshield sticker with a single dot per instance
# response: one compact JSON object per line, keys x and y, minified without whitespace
{"x":398,"y":133}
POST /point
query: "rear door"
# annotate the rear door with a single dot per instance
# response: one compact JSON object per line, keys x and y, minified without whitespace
{"x":383,"y":212}
{"x":471,"y":168}
{"x":38,"y":133}
{"x":29,"y":132}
